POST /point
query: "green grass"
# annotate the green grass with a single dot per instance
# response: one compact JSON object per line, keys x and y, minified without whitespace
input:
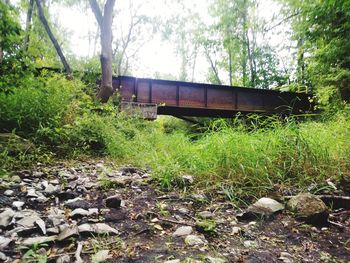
{"x":247,"y":156}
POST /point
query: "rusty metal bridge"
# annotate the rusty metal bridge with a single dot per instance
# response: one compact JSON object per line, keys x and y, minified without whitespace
{"x":179,"y":98}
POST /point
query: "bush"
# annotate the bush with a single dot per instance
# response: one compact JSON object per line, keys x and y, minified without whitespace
{"x":38,"y":102}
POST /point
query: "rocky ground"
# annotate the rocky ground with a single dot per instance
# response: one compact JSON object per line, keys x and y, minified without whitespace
{"x":88,"y":212}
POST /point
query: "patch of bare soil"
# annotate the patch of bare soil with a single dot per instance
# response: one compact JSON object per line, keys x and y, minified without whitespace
{"x":141,"y":223}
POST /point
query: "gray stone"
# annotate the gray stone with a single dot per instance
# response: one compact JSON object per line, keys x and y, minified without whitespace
{"x":187,"y":179}
{"x":4,"y":242}
{"x":9,"y":192}
{"x":309,"y":208}
{"x":206,"y":215}
{"x":31,"y":193}
{"x":37,"y":240}
{"x":79,"y":212}
{"x":28,"y":218}
{"x":183,"y":231}
{"x":99,"y":228}
{"x":183,"y":210}
{"x":101,"y":256}
{"x":194,"y":240}
{"x":68,"y":232}
{"x":173,"y":261}
{"x":113,"y":201}
{"x":55,"y":216}
{"x":285,"y":257}
{"x":51,"y":189}
{"x":3,"y":257}
{"x":63,"y":259}
{"x":210,"y":259}
{"x":249,"y":244}
{"x":266,"y":206}
{"x":16,"y":179}
{"x":235,"y":230}
{"x":18,"y":205}
{"x":41,"y":224}
{"x":6,"y":217}
{"x":77,"y":203}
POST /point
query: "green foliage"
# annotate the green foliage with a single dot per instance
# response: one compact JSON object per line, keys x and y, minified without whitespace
{"x":39,"y":102}
{"x":323,"y":28}
{"x":12,"y":60}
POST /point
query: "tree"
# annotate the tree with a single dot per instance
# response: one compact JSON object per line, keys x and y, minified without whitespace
{"x":53,"y":39}
{"x":105,"y":23}
{"x":28,"y":24}
{"x":132,"y":33}
{"x":321,"y":29}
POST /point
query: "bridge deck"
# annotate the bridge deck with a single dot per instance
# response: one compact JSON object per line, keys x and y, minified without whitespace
{"x":196,"y":99}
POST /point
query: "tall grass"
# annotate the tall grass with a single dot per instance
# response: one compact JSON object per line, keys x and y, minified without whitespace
{"x":249,"y":155}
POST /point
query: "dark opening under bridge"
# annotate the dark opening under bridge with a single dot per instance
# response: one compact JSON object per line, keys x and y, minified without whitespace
{"x":179,"y":98}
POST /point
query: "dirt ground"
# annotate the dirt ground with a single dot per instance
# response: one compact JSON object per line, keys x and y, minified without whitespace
{"x":148,"y":217}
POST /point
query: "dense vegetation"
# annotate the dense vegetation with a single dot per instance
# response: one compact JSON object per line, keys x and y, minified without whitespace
{"x":243,"y":156}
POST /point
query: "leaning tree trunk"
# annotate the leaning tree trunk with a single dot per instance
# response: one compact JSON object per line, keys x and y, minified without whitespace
{"x":28,"y":24}
{"x":105,"y":23}
{"x":53,"y":39}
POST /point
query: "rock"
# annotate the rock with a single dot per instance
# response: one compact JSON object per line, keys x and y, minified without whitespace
{"x":93,"y":211}
{"x":38,"y":240}
{"x":66,"y":195}
{"x":4,"y":242}
{"x":6,"y":217}
{"x":3,"y":257}
{"x":285,"y":257}
{"x":183,"y":210}
{"x":31,"y":193}
{"x":206,"y":215}
{"x":183,"y":231}
{"x":16,"y":179}
{"x":68,"y":232}
{"x":194,"y":240}
{"x":249,"y":244}
{"x":113,"y":201}
{"x":79,"y":212}
{"x":53,"y":230}
{"x":51,"y":189}
{"x":77,"y":203}
{"x":100,"y":256}
{"x":115,"y":215}
{"x":99,"y":228}
{"x":235,"y":230}
{"x":18,"y":205}
{"x":173,"y":261}
{"x":210,"y":259}
{"x":5,"y":201}
{"x":187,"y":180}
{"x":309,"y":208}
{"x":41,"y":225}
{"x":55,"y":216}
{"x":28,"y":218}
{"x":63,"y":259}
{"x":264,"y":207}
{"x":9,"y":193}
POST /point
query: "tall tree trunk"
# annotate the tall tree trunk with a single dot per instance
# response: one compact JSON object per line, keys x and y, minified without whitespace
{"x":53,"y":39}
{"x":28,"y":24}
{"x":230,"y":65}
{"x":105,"y":22}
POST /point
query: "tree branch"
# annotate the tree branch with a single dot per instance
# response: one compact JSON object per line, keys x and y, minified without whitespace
{"x":97,"y":12}
{"x":53,"y":39}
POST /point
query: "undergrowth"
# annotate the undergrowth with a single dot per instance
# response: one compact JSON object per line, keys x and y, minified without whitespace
{"x":244,"y":156}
